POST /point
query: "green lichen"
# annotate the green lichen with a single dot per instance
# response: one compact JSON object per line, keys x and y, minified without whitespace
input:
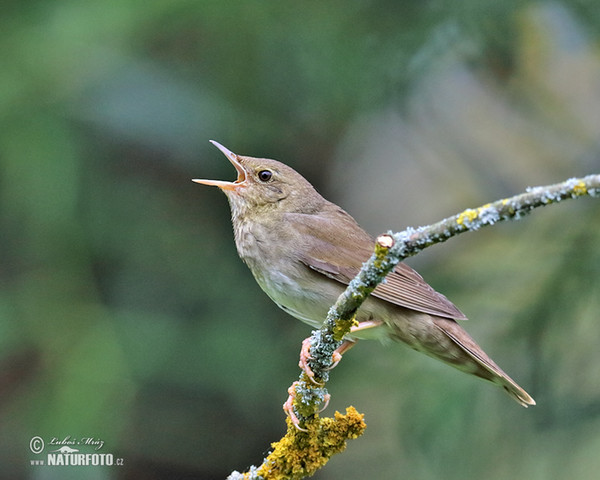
{"x":309,"y":397}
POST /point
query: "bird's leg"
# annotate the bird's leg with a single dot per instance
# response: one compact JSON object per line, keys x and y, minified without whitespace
{"x":337,"y":355}
{"x":348,"y":344}
{"x":365,"y":325}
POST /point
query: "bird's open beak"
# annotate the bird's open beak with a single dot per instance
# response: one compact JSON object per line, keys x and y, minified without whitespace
{"x":233,"y":158}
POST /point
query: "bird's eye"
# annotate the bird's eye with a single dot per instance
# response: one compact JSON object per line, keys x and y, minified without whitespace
{"x":265,"y":175}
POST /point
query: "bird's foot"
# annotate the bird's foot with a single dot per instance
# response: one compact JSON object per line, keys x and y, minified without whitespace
{"x":337,"y":355}
{"x":303,"y":363}
{"x":288,"y":407}
{"x":348,"y":344}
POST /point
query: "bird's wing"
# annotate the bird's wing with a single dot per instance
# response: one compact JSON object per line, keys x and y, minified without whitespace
{"x":340,"y":253}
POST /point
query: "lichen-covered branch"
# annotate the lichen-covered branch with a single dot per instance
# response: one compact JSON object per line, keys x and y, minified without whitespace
{"x":301,"y":452}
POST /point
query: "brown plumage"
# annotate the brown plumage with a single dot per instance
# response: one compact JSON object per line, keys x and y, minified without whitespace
{"x":303,"y":250}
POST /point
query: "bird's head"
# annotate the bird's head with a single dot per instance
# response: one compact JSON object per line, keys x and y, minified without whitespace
{"x":265,"y":187}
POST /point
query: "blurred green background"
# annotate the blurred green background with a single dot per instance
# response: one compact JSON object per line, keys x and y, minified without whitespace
{"x":125,"y":313}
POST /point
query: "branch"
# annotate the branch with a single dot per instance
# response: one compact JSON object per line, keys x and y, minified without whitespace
{"x":302,"y":451}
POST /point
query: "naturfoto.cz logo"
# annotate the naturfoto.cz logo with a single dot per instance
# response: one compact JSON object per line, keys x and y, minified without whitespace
{"x":67,"y":451}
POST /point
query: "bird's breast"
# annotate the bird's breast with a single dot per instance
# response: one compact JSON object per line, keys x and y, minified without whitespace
{"x":272,"y":257}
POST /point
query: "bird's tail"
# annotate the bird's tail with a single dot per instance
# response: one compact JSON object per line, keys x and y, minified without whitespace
{"x":477,"y":362}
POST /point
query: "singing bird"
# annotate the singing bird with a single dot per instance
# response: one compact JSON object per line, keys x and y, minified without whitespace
{"x":304,"y":250}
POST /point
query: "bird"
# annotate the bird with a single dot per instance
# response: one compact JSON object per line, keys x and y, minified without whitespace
{"x":303,"y":250}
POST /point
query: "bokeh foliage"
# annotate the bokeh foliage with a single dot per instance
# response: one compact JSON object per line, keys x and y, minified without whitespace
{"x":125,"y":313}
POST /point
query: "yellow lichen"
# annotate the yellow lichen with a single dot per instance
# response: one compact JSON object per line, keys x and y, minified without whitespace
{"x":300,"y":454}
{"x":580,"y":188}
{"x":342,"y":327}
{"x":467,"y":216}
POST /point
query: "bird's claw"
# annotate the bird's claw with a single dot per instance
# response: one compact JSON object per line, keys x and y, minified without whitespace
{"x":336,"y":358}
{"x":326,"y":399}
{"x":304,"y":359}
{"x":288,"y":407}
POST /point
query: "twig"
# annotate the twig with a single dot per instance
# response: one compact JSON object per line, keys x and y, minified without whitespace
{"x":300,"y":453}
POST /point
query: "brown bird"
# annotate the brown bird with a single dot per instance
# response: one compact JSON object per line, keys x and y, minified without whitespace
{"x":303,"y":251}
